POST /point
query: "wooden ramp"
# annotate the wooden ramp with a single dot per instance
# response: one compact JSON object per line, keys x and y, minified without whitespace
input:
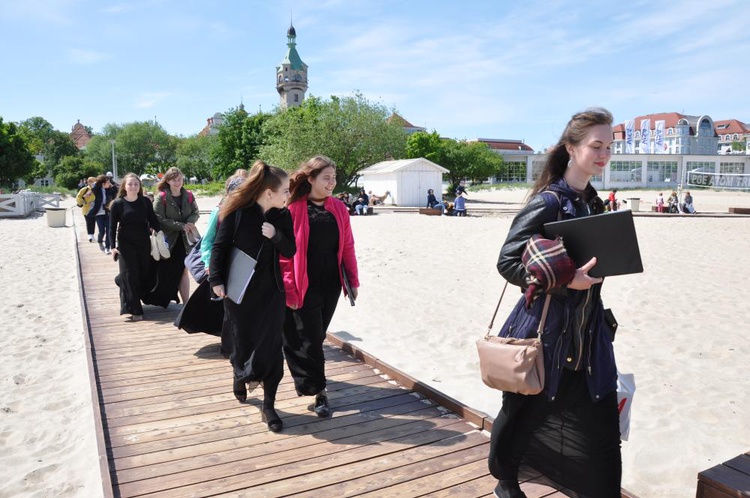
{"x":170,"y":425}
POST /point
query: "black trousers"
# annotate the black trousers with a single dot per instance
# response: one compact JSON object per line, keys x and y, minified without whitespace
{"x":571,"y":440}
{"x":304,"y":332}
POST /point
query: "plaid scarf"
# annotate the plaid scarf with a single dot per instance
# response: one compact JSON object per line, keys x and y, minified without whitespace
{"x":547,"y":264}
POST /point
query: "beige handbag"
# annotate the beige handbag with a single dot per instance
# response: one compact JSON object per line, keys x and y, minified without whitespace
{"x":510,"y":364}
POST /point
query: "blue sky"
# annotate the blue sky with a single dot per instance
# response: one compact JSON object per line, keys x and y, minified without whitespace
{"x":491,"y":69}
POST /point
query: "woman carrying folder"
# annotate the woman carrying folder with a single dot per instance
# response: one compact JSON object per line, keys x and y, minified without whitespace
{"x":314,"y":278}
{"x":570,"y":431}
{"x":254,"y":220}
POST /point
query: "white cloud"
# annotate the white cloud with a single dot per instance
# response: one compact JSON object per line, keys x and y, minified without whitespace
{"x":148,"y":100}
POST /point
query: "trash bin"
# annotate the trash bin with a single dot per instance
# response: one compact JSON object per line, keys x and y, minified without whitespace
{"x":56,"y":217}
{"x":635,"y":203}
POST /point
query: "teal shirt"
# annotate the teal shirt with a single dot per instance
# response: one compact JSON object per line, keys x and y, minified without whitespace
{"x":208,"y":238}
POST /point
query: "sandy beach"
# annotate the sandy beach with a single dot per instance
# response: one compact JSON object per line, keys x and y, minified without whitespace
{"x":429,"y":286}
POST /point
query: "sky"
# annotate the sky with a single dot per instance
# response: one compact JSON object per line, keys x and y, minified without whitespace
{"x":467,"y":69}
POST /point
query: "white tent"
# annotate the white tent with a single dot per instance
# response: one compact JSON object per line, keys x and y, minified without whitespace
{"x":407,"y":181}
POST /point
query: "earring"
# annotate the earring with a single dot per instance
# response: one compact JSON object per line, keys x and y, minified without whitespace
{"x":570,"y":161}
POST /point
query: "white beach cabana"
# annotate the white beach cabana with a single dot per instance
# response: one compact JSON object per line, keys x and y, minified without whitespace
{"x":407,"y":180}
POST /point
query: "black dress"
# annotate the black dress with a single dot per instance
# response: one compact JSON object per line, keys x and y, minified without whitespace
{"x":256,"y":323}
{"x":130,"y":221}
{"x":305,"y":328}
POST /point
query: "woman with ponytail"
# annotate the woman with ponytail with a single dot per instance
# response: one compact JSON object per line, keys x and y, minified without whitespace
{"x":313,"y":278}
{"x":253,"y":219}
{"x":570,"y":432}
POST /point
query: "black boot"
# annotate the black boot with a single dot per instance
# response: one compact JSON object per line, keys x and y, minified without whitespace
{"x":239,"y":389}
{"x":321,"y":407}
{"x":270,"y":417}
{"x":509,"y":489}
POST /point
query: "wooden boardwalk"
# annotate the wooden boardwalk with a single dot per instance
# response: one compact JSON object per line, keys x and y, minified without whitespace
{"x":170,"y":425}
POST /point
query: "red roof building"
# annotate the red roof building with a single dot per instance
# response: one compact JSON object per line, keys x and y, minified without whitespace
{"x":80,"y":135}
{"x":730,"y":131}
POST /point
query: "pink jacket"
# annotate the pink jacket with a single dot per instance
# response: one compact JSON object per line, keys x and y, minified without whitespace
{"x":294,"y":270}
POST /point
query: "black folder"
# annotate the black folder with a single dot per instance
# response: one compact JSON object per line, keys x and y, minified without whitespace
{"x":347,"y":285}
{"x":610,"y":237}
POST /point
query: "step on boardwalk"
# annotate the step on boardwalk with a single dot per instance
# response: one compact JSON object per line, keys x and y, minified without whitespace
{"x":171,"y":427}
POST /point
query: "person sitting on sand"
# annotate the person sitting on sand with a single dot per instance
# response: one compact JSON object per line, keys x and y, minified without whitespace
{"x":432,"y":201}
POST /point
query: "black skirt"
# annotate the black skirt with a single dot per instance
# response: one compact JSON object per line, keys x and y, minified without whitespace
{"x":200,"y":314}
{"x":168,"y":275}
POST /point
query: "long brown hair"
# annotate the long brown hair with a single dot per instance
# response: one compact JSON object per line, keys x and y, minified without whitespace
{"x":261,"y":177}
{"x":122,"y":192}
{"x":575,"y":131}
{"x":171,"y":174}
{"x":299,"y":186}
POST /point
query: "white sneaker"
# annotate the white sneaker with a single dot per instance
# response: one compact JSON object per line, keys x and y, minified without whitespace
{"x":91,"y":238}
{"x":107,"y":251}
{"x":161,"y":245}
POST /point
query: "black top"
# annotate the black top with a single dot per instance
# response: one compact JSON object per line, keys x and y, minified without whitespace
{"x":134,"y":220}
{"x":322,"y":247}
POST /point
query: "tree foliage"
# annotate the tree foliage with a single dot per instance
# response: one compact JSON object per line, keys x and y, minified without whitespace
{"x":73,"y":168}
{"x":239,"y":140}
{"x":352,"y":131}
{"x":37,"y":131}
{"x":464,"y":160}
{"x":195,"y":156}
{"x":140,"y":147}
{"x":16,"y":161}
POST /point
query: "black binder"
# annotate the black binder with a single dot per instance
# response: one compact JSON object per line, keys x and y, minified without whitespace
{"x":347,"y":285}
{"x":610,"y":237}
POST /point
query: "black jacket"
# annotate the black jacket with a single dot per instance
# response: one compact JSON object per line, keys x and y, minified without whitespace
{"x":575,"y":321}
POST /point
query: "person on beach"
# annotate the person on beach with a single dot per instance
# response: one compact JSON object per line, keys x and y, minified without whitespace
{"x":201,"y":313}
{"x":132,"y":220}
{"x":104,"y":193}
{"x":362,"y":202}
{"x":254,"y":220}
{"x":459,"y":204}
{"x":660,"y":203}
{"x":613,"y":205}
{"x":313,"y":278}
{"x":85,"y":200}
{"x":432,"y":201}
{"x":177,"y":212}
{"x":687,"y":206}
{"x":569,"y":432}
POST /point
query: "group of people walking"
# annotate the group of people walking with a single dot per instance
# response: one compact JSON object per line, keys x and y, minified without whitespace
{"x":301,"y":239}
{"x":302,"y":242}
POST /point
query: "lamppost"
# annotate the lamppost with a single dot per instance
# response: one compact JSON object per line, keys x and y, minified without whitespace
{"x":114,"y":160}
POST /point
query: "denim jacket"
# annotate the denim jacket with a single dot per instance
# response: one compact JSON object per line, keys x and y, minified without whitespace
{"x":570,"y":312}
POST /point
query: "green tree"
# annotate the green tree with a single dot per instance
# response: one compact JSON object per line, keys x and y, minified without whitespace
{"x":352,"y":131}
{"x":195,"y":156}
{"x":58,"y":146}
{"x":72,"y":168}
{"x":239,"y":140}
{"x":472,"y":160}
{"x":739,"y":145}
{"x":16,"y":161}
{"x":427,"y":145}
{"x":140,"y":147}
{"x":37,"y":131}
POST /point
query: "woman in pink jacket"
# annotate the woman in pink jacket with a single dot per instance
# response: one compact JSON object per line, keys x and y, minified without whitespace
{"x":313,"y":278}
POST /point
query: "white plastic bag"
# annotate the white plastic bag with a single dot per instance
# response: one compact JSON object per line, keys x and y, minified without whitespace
{"x":625,"y":392}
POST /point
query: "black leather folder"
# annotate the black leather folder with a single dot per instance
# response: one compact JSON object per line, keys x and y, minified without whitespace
{"x":610,"y":237}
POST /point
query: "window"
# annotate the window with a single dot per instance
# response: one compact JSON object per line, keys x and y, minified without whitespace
{"x":625,"y":171}
{"x":731,"y":167}
{"x":514,"y":171}
{"x":296,"y":97}
{"x":661,"y":171}
{"x":736,"y":137}
{"x":700,"y":166}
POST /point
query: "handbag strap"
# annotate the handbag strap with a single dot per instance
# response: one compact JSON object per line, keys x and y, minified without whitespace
{"x":542,"y":320}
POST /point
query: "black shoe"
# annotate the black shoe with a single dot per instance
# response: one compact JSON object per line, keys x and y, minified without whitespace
{"x":321,"y":408}
{"x":240,"y":391}
{"x":270,"y":417}
{"x":508,"y":489}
